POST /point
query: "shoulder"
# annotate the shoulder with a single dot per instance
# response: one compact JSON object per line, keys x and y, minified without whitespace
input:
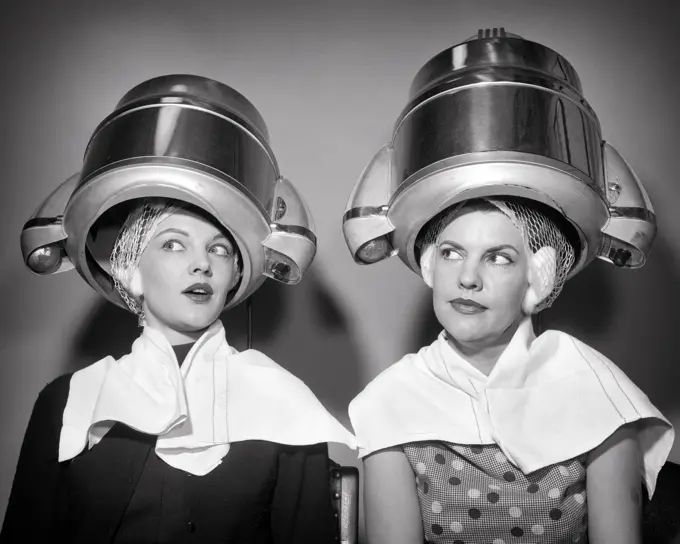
{"x":268,"y":402}
{"x":54,"y":396}
{"x":397,"y":378}
{"x":560,"y":349}
{"x":591,"y":374}
{"x":55,"y":392}
{"x":559,"y":341}
{"x":255,"y":365}
{"x":382,"y":414}
{"x":48,"y":408}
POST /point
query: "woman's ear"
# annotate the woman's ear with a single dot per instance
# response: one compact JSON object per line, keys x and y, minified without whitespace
{"x":542,"y":274}
{"x":136,"y":288}
{"x":427,"y":265}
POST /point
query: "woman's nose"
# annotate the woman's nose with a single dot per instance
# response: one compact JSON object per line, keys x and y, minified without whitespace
{"x":469,"y":276}
{"x":201,"y":265}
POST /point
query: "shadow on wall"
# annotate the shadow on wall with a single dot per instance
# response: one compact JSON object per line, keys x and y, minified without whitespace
{"x":628,"y":315}
{"x":300,"y":327}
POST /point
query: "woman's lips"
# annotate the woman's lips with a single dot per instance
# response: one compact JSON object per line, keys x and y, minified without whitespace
{"x":467,"y":306}
{"x":199,"y":293}
{"x":199,"y":298}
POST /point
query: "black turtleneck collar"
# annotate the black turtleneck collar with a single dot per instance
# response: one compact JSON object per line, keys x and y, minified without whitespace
{"x":181,"y":351}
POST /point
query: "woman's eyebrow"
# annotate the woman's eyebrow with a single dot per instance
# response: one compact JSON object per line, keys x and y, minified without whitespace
{"x":220,"y":235}
{"x":176,"y":231}
{"x":502,"y":247}
{"x":493,"y":249}
{"x":451,"y":243}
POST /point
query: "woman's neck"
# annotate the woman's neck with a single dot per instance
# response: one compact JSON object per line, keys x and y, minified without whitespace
{"x":483,"y":354}
{"x":173,"y":336}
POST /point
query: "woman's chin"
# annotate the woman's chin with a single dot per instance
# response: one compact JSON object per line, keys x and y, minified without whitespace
{"x":197,"y":324}
{"x":466,"y":337}
{"x":479,"y":334}
{"x":191,"y":323}
{"x":469,"y":330}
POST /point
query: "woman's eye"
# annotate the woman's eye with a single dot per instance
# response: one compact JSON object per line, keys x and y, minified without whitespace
{"x":221,"y":250}
{"x":172,"y":245}
{"x":499,"y":258}
{"x":450,"y":254}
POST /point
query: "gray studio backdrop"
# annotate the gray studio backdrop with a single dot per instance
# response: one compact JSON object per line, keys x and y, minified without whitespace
{"x":329,"y":79}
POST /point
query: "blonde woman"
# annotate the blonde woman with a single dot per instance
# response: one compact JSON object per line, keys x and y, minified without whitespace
{"x":178,"y":214}
{"x":496,"y":188}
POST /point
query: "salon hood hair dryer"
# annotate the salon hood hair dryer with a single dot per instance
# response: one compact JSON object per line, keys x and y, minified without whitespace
{"x":187,"y":138}
{"x":498,"y":115}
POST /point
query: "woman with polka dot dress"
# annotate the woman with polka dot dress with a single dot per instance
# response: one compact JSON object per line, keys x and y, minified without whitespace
{"x":496,"y":194}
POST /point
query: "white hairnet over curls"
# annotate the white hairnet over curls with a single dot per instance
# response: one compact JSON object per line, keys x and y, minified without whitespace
{"x":134,"y":236}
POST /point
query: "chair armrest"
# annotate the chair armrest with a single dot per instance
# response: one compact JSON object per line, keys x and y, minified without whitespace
{"x":345,"y":499}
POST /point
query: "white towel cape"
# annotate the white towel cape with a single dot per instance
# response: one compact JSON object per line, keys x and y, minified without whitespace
{"x":547,"y":400}
{"x":217,"y":397}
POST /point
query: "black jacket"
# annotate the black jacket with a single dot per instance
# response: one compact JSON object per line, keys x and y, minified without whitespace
{"x":262,"y":493}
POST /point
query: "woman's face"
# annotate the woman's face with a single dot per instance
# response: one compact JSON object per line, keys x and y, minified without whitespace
{"x":185,"y":273}
{"x":479,"y":278}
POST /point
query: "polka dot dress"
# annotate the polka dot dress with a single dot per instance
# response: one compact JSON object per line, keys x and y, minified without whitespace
{"x":473,"y":494}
